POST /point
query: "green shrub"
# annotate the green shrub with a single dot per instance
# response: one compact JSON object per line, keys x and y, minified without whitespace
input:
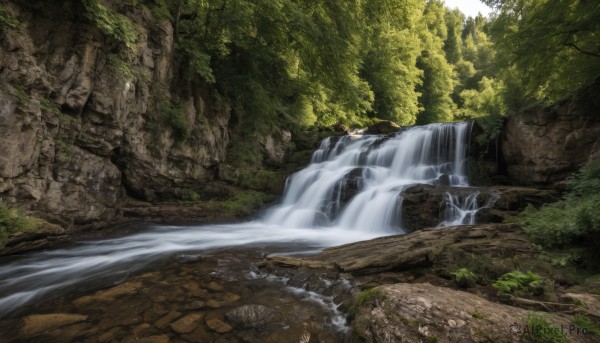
{"x":542,"y":331}
{"x":518,"y":283}
{"x":7,"y":19}
{"x":190,"y":195}
{"x":464,"y":278}
{"x":573,"y":222}
{"x":12,"y":221}
{"x":175,"y":117}
{"x":113,"y":25}
{"x":246,"y":203}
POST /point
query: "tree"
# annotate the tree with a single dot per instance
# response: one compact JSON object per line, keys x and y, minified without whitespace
{"x":552,"y":44}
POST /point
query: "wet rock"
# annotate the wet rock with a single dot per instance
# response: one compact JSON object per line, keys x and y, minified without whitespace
{"x":423,"y":312}
{"x":110,"y":294}
{"x":214,"y":286}
{"x":39,"y":323}
{"x":140,"y":329}
{"x":195,"y":305}
{"x":166,"y":320}
{"x":194,"y":289}
{"x":418,"y":249}
{"x":251,"y":316}
{"x":218,"y":326}
{"x":383,"y":127}
{"x":188,"y":323}
{"x":155,"y":339}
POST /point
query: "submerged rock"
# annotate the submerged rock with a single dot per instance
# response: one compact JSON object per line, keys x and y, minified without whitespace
{"x":251,"y":316}
{"x":218,"y":325}
{"x":40,"y":323}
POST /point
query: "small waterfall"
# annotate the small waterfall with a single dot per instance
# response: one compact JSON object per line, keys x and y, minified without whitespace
{"x":356,"y":182}
{"x":352,"y":190}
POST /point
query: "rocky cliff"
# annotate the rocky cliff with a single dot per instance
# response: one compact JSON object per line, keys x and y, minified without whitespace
{"x":86,"y":129}
{"x":544,"y":145}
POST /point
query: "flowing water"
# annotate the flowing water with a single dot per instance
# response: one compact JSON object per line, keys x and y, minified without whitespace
{"x":351,"y":191}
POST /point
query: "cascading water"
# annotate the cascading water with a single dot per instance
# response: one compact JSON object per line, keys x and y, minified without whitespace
{"x":351,"y":191}
{"x":356,"y":182}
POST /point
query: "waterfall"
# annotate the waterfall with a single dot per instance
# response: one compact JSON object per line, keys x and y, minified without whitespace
{"x":351,"y":191}
{"x":356,"y":182}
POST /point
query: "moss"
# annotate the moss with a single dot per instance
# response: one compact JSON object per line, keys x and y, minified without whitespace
{"x":13,"y":221}
{"x":352,"y":306}
{"x":476,"y":315}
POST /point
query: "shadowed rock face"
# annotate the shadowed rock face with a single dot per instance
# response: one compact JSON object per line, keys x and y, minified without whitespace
{"x":77,"y":136}
{"x":546,"y":145}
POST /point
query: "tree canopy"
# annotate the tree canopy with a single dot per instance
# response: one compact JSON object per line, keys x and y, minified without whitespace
{"x":304,"y":63}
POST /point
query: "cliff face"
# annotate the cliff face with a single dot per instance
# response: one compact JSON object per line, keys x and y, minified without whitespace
{"x":80,"y":131}
{"x":545,"y":145}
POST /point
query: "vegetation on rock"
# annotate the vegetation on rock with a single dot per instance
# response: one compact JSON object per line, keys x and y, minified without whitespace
{"x":13,"y":221}
{"x":573,"y":223}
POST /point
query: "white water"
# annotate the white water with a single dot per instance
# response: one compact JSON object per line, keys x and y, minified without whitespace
{"x":351,"y":191}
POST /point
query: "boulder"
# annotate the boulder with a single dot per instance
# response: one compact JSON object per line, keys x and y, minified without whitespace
{"x":426,"y":313}
{"x":251,"y":316}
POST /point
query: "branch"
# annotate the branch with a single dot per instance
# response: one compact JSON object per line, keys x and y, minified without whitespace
{"x":585,"y":52}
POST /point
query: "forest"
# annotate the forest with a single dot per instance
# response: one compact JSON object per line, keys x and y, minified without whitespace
{"x":306,"y":63}
{"x":171,"y":170}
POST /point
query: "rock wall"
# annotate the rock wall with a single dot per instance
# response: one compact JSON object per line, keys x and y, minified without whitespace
{"x":545,"y":145}
{"x":78,"y":136}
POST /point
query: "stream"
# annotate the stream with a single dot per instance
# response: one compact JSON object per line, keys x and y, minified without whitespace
{"x":351,"y":191}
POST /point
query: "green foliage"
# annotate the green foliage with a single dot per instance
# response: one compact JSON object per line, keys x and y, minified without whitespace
{"x":175,"y":116}
{"x":573,"y":222}
{"x":7,"y":19}
{"x":547,"y":48}
{"x":518,"y":283}
{"x":190,"y":195}
{"x":544,"y":332}
{"x":118,"y":68}
{"x":13,"y":221}
{"x":247,"y":202}
{"x":581,"y":321}
{"x":115,"y":26}
{"x":464,"y":278}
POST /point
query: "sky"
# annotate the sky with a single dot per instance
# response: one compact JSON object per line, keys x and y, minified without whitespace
{"x":469,"y":7}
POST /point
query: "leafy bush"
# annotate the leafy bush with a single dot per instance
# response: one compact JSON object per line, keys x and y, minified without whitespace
{"x":12,"y":221}
{"x":573,"y":222}
{"x":464,"y":278}
{"x":518,"y":283}
{"x":114,"y":25}
{"x":174,"y":115}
